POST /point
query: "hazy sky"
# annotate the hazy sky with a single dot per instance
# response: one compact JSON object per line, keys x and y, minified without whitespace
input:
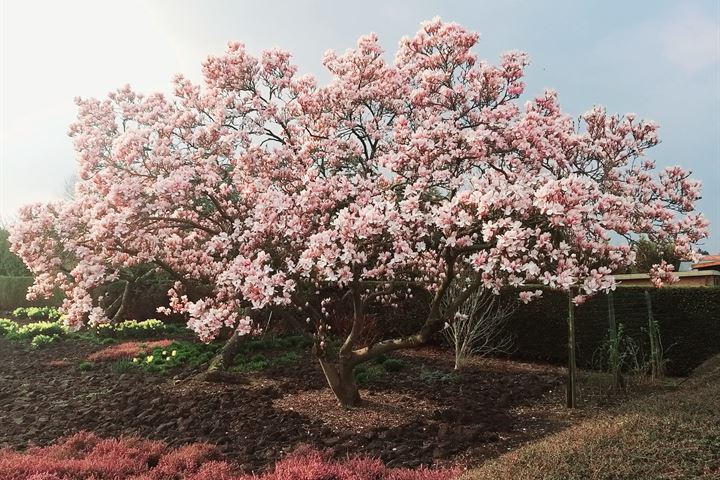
{"x":659,"y":59}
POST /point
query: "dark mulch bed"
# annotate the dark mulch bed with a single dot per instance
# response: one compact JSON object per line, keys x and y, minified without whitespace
{"x":419,"y":415}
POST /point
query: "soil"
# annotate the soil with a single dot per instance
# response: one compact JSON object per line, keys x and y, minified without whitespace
{"x":421,"y":415}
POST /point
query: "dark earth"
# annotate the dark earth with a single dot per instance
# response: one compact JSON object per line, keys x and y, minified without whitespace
{"x":421,"y":415}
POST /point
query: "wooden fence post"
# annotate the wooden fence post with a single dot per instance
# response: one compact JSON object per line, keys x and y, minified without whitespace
{"x":614,"y":354}
{"x":572,"y":368}
{"x":656,"y":368}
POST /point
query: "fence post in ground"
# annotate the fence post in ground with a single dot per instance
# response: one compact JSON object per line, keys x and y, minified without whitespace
{"x":572,"y":368}
{"x":614,"y":354}
{"x":656,"y":368}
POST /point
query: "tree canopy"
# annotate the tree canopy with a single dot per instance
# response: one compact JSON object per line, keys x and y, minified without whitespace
{"x":259,"y":188}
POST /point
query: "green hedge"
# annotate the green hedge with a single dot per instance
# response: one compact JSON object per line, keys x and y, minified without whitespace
{"x":14,"y":289}
{"x":689,"y":321}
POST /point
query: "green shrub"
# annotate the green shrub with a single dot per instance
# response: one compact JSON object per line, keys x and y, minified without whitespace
{"x":393,"y":365}
{"x":176,"y":329}
{"x":86,"y":337}
{"x":38,"y":328}
{"x":41,"y":340}
{"x":86,"y":366}
{"x":380,"y":359}
{"x":7,"y":327}
{"x":178,"y":354}
{"x":132,"y":329}
{"x":366,"y":374}
{"x":253,"y":356}
{"x":436,"y":376}
{"x":38,"y":313}
{"x":290,"y":342}
{"x":123,"y":365}
{"x":286,"y":358}
{"x":39,"y":333}
{"x":188,"y":353}
{"x":254,"y":364}
{"x":245,"y":363}
{"x":375,"y":370}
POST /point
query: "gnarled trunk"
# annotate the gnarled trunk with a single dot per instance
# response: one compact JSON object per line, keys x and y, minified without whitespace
{"x":218,"y":369}
{"x":342,"y":382}
{"x":340,"y":375}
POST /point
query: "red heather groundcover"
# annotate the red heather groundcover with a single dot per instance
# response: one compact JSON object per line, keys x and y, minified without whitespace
{"x":127,"y":350}
{"x":88,"y":457}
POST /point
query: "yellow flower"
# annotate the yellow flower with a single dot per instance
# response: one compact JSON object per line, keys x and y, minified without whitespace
{"x":164,"y":352}
{"x":149,"y":359}
{"x":174,"y":352}
{"x":136,"y":360}
{"x":167,"y":359}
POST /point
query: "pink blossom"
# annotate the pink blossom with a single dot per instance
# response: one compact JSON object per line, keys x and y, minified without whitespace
{"x":258,"y":188}
{"x":527,"y":296}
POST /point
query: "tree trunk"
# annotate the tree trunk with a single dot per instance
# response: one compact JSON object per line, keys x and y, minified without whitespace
{"x":342,"y":382}
{"x":340,"y":375}
{"x":123,"y":301}
{"x":217,"y":371}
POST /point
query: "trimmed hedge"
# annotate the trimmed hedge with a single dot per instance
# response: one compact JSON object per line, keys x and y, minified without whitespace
{"x":688,"y":318}
{"x":14,"y":289}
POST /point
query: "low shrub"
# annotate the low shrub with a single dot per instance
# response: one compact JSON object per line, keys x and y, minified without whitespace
{"x":41,"y":340}
{"x":371,"y":373}
{"x":31,"y":330}
{"x":177,"y":354}
{"x":127,"y":350}
{"x":187,"y":353}
{"x":164,"y":355}
{"x":286,"y":358}
{"x":380,"y":359}
{"x":260,"y":362}
{"x":393,"y":365}
{"x":132,"y":329}
{"x":436,"y":376}
{"x":86,"y":366}
{"x":84,"y":456}
{"x":123,"y":365}
{"x":40,"y":333}
{"x":254,"y":364}
{"x":38,"y":313}
{"x":7,"y":327}
{"x":289,"y":342}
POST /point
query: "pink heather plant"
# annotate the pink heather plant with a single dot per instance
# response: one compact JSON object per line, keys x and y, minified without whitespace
{"x":127,"y":350}
{"x":259,"y":189}
{"x":85,"y":456}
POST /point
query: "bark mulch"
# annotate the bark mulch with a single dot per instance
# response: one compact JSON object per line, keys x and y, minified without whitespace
{"x":421,"y":415}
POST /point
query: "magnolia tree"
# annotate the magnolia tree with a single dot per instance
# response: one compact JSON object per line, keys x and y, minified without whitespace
{"x":259,"y":190}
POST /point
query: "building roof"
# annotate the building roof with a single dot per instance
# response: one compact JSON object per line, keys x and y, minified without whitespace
{"x":707,"y":265}
{"x":708,"y":262}
{"x":643,"y":276}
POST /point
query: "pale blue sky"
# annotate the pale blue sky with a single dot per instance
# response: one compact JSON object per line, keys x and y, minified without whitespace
{"x":659,"y":59}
